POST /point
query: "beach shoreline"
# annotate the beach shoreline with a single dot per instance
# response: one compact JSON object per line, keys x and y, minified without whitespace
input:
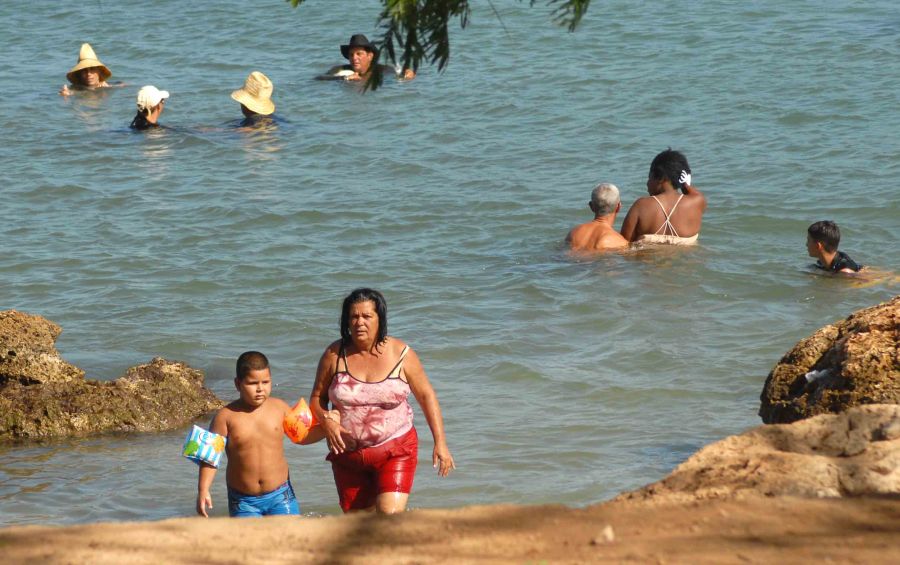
{"x":821,"y":488}
{"x":737,"y":530}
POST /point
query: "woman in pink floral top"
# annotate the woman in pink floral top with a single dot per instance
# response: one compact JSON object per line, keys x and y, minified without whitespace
{"x":368,"y":376}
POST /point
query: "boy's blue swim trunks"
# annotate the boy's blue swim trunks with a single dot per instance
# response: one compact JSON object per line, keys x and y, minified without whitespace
{"x":277,"y":502}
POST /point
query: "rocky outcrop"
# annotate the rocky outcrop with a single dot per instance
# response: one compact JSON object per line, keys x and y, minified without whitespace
{"x":28,"y":350}
{"x":850,"y":363}
{"x":42,"y":396}
{"x":854,"y":453}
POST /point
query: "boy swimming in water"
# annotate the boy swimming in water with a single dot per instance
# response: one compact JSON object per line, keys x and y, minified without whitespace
{"x":257,"y":473}
{"x":822,"y":239}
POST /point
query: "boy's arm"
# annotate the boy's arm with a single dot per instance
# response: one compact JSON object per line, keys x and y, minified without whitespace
{"x":208,"y":472}
{"x":204,"y":499}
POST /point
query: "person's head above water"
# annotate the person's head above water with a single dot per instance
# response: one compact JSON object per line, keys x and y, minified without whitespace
{"x":256,"y":95}
{"x":358,"y":296}
{"x":605,"y":199}
{"x":89,"y":71}
{"x":360,"y":52}
{"x":825,"y":232}
{"x":822,"y":241}
{"x":150,"y":99}
{"x":671,"y":166}
{"x":150,"y":102}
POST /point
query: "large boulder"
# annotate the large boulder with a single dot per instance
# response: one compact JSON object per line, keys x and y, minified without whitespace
{"x":854,"y":453}
{"x":853,"y":362}
{"x":28,"y":350}
{"x":157,"y":396}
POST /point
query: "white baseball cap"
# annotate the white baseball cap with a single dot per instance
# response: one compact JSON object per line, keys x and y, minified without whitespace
{"x":149,"y":97}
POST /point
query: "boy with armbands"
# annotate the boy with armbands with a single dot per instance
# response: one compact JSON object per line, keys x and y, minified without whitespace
{"x":822,"y":240}
{"x":257,"y":472}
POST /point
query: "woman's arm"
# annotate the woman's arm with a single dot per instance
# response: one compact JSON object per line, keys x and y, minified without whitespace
{"x":427,"y":399}
{"x":630,"y":223}
{"x":692,"y":192}
{"x":318,"y":400}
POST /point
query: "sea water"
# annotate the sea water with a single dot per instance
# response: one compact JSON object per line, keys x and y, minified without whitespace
{"x":561,"y":380}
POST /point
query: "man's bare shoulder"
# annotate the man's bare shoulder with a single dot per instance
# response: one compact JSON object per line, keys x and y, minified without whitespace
{"x":613,"y":240}
{"x":580,"y":234}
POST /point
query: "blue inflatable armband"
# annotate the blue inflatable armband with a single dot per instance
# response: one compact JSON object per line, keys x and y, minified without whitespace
{"x":204,"y":446}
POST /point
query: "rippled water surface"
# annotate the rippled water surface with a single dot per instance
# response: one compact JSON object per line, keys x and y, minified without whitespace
{"x":561,"y":380}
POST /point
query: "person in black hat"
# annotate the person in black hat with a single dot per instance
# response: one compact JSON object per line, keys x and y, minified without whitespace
{"x":362,"y":54}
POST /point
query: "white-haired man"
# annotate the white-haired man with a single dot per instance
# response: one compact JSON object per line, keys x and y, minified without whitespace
{"x":599,"y":234}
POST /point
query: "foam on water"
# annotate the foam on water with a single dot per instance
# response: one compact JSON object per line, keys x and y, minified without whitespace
{"x":560,"y":379}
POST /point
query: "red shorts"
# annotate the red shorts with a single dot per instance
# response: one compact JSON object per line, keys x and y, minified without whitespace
{"x":361,"y":475}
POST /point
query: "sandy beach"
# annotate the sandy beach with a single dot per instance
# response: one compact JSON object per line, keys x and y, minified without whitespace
{"x":748,"y":530}
{"x":820,"y":489}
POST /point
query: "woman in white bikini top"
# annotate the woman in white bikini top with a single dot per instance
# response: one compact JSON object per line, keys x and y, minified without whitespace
{"x":648,"y":221}
{"x":667,"y":232}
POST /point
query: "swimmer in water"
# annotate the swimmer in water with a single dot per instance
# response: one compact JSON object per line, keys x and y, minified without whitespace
{"x":255,"y":97}
{"x":88,"y":74}
{"x":822,"y":240}
{"x":362,"y":54}
{"x":150,"y":104}
{"x":666,"y":216}
{"x":599,"y":234}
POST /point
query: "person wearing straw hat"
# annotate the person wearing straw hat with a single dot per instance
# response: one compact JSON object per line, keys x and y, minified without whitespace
{"x":150,"y":103}
{"x":361,"y":53}
{"x":255,"y":97}
{"x":89,"y":73}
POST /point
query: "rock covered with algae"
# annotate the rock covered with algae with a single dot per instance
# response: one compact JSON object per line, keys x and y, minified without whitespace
{"x":850,"y":363}
{"x":43,"y":396}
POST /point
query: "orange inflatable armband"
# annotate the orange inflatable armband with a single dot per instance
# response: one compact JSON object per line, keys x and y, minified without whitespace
{"x":299,"y":421}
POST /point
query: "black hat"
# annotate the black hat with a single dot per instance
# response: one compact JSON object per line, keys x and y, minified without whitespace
{"x":357,"y":40}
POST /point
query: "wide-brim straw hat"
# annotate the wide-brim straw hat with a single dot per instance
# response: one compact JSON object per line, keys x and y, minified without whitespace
{"x":87,"y":59}
{"x":256,"y":94}
{"x":358,"y":40}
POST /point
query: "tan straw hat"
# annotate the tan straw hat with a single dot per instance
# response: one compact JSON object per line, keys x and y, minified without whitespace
{"x":87,"y":59}
{"x":256,"y":94}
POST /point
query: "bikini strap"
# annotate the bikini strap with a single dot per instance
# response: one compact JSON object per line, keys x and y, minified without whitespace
{"x":659,"y":204}
{"x":342,"y":354}
{"x":667,"y":224}
{"x":395,"y":372}
{"x":680,"y":196}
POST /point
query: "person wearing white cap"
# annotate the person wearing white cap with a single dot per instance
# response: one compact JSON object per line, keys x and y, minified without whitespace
{"x":150,"y":103}
{"x":89,"y":73}
{"x":256,"y":96}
